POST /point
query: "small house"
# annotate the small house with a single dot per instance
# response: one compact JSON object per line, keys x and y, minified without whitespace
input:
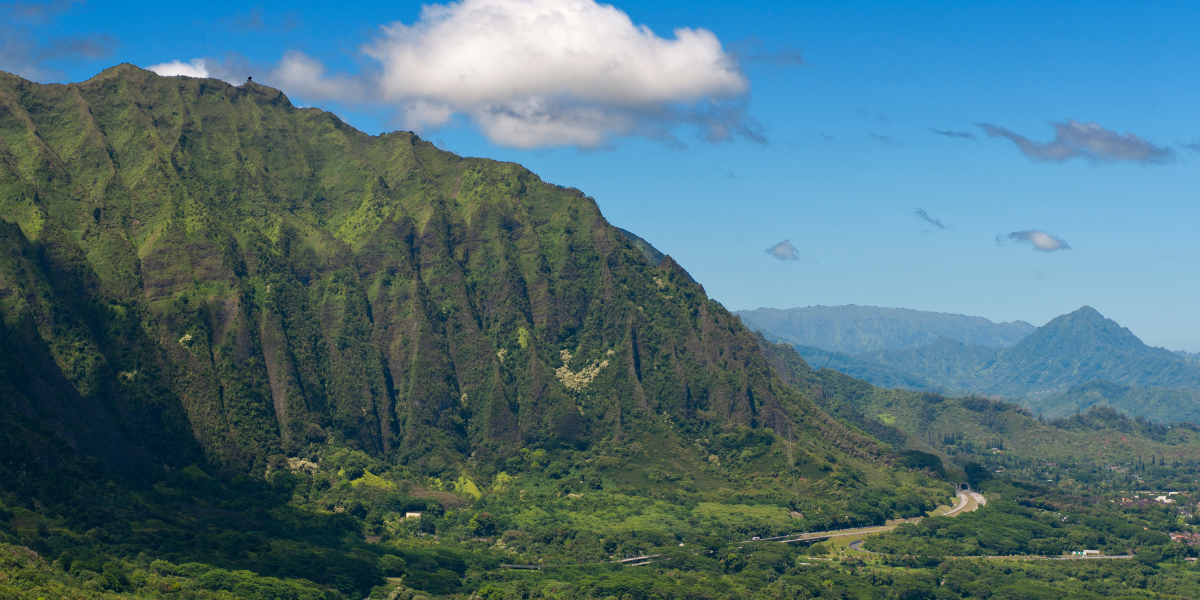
{"x":412,"y":515}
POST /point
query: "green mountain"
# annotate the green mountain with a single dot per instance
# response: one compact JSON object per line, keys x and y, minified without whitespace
{"x":242,"y":343}
{"x":855,"y":329}
{"x":182,"y":255}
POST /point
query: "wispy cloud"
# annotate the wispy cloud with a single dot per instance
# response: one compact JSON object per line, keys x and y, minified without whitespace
{"x":1089,"y":141}
{"x":886,"y":140}
{"x":257,"y":21}
{"x":1039,"y":239}
{"x":784,"y":251}
{"x":920,"y":212}
{"x":965,"y":135}
{"x":882,"y":118}
{"x":1193,"y":146}
{"x":752,"y":49}
{"x":28,"y":50}
{"x":37,"y":12}
{"x":541,"y":73}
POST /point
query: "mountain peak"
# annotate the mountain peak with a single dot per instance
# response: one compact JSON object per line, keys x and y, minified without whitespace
{"x":1084,"y":329}
{"x":1086,"y":311}
{"x":1082,"y":346}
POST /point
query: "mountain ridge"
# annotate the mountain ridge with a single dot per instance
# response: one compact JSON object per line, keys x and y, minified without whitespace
{"x":854,"y":329}
{"x":1059,"y":360}
{"x":267,"y":277}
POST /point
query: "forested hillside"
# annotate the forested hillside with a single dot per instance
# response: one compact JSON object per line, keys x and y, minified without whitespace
{"x":245,"y":340}
{"x":1163,"y":405}
{"x":1100,"y":448}
{"x":186,"y":255}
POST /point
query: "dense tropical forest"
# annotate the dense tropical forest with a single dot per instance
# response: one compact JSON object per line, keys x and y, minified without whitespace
{"x":250,"y":352}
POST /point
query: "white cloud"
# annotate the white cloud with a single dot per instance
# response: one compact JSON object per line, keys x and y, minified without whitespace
{"x":197,"y":67}
{"x":1085,"y":140}
{"x":1040,"y":240}
{"x":784,"y":251}
{"x":533,"y":73}
{"x":307,"y":77}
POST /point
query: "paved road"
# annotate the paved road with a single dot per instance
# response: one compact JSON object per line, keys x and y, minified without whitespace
{"x":1113,"y":557}
{"x":964,"y":504}
{"x":964,"y":500}
{"x":856,"y":546}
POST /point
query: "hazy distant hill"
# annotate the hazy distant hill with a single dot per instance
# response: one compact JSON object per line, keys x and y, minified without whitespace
{"x":1070,"y":350}
{"x":867,"y":370}
{"x":1073,"y":362}
{"x":855,"y":329}
{"x":1164,"y":405}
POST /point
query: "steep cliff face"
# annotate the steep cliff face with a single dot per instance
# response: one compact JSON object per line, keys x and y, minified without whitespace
{"x":192,"y":267}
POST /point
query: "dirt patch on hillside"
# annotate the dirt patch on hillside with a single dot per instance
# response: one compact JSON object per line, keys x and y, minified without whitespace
{"x":447,"y":499}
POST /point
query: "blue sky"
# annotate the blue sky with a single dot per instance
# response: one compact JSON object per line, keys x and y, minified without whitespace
{"x":835,"y":155}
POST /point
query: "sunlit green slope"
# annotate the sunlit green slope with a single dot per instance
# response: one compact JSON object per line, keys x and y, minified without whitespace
{"x":220,"y":262}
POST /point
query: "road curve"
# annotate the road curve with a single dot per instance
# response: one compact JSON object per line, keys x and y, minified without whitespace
{"x":964,"y":502}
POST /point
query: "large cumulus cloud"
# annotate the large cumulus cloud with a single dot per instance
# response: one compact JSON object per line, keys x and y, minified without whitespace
{"x":533,"y":73}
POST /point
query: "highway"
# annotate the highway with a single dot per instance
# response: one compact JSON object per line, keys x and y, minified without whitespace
{"x":967,"y":502}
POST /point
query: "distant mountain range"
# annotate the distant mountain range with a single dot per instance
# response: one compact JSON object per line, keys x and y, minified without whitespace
{"x":854,"y":329}
{"x":1070,"y":364}
{"x":1070,"y":350}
